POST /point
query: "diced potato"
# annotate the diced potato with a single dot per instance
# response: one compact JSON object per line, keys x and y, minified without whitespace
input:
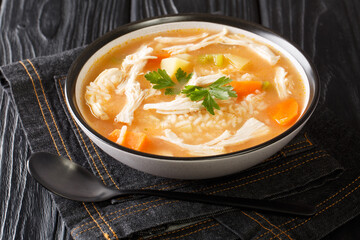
{"x":237,"y":61}
{"x":172,"y":64}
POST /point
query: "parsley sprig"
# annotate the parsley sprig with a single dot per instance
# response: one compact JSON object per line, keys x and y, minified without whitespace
{"x":162,"y":80}
{"x":219,"y":89}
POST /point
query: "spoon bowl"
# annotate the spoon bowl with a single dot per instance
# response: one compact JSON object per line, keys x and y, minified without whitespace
{"x":70,"y":180}
{"x":67,"y":179}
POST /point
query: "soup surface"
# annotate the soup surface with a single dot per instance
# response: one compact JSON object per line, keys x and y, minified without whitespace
{"x":192,"y":92}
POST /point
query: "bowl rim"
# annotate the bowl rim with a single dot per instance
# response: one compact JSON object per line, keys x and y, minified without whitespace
{"x":255,"y":28}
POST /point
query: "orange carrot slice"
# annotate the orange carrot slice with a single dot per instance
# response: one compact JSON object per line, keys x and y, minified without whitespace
{"x":157,"y":60}
{"x":244,"y":88}
{"x":285,"y":112}
{"x":114,"y":135}
{"x":133,"y":140}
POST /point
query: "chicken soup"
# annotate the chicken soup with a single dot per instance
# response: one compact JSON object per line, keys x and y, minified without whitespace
{"x":192,"y":92}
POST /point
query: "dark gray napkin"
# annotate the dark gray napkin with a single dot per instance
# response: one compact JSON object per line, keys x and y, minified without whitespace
{"x":304,"y":170}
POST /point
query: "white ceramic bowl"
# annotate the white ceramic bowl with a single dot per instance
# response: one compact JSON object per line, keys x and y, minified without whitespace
{"x":195,"y":167}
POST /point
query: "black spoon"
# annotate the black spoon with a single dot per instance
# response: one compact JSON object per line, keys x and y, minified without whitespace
{"x":70,"y":180}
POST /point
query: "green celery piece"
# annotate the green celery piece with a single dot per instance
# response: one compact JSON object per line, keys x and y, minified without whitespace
{"x":265,"y":85}
{"x":219,"y":60}
{"x":206,"y":58}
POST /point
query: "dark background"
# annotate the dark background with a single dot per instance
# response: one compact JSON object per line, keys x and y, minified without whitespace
{"x":327,"y":30}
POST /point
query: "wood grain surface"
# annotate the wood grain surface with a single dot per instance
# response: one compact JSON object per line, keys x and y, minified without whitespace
{"x":327,"y":30}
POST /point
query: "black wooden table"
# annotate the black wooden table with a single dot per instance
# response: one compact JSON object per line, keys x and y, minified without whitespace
{"x":327,"y":30}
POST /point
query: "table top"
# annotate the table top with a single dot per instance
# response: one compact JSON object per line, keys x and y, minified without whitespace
{"x":327,"y":30}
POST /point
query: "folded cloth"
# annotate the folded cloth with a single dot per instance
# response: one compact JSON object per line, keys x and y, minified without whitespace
{"x":318,"y":167}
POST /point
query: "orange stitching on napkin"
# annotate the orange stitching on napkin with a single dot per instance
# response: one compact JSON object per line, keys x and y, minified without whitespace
{"x":286,"y":170}
{"x":176,"y":185}
{"x":270,"y":169}
{"x":307,"y":139}
{"x":159,"y":184}
{"x":42,"y":112}
{"x":48,"y":106}
{"x":289,"y":146}
{"x":259,"y":223}
{"x":338,"y":192}
{"x":93,"y":160}
{"x":318,"y":205}
{"x":123,"y":215}
{"x":114,"y":234}
{"x":323,"y":210}
{"x":278,"y":226}
{"x":181,"y":229}
{"x":199,"y":230}
{"x":286,"y":223}
{"x":105,"y":234}
{"x":106,"y":215}
{"x":273,"y":157}
{"x":106,"y":170}
{"x":294,"y":149}
{"x":273,"y":225}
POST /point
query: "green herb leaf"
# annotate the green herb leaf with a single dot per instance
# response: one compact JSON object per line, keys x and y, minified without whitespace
{"x":209,"y":103}
{"x":218,"y":90}
{"x":181,"y":76}
{"x":219,"y":93}
{"x":172,"y":91}
{"x":160,"y":79}
{"x":220,"y":82}
{"x":198,"y":94}
{"x":207,"y":94}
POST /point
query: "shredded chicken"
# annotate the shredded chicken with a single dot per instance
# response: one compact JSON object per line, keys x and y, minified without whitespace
{"x":265,"y":53}
{"x":247,"y":77}
{"x":121,"y":137}
{"x":204,"y":80}
{"x":252,"y":128}
{"x":281,"y":83}
{"x":180,"y":39}
{"x":262,"y":50}
{"x":137,"y":59}
{"x":200,"y":149}
{"x":225,"y":135}
{"x":133,"y":64}
{"x":180,"y":105}
{"x":195,"y":46}
{"x":99,"y":91}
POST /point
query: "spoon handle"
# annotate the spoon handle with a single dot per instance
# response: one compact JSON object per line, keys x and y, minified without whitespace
{"x":256,"y":204}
